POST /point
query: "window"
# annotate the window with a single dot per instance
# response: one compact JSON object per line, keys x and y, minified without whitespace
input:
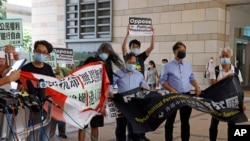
{"x":88,"y":20}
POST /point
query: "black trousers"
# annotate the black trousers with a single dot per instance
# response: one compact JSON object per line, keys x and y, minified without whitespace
{"x":213,"y":129}
{"x":120,"y":131}
{"x":185,"y":113}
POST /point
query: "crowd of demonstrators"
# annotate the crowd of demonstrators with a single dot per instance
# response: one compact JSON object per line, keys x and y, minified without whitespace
{"x":152,"y":76}
{"x":126,"y":80}
{"x":221,"y":71}
{"x":176,"y":78}
{"x":134,"y":46}
{"x":105,"y":54}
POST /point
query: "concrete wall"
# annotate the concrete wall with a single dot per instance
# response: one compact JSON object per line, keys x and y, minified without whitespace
{"x":200,"y":24}
{"x":23,"y":12}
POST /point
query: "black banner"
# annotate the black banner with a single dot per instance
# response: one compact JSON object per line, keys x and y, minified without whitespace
{"x":146,"y":110}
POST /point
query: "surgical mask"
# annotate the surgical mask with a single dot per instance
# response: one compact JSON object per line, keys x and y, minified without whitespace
{"x":135,"y":51}
{"x":40,"y":57}
{"x":103,"y":56}
{"x":131,"y":67}
{"x":225,"y":61}
{"x":181,"y":54}
{"x":162,"y":64}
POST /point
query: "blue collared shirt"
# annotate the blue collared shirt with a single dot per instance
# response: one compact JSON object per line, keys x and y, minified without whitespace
{"x":177,"y":75}
{"x":128,"y":81}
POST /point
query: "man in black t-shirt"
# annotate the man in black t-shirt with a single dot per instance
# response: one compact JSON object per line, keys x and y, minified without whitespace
{"x":42,"y":50}
{"x":134,"y":46}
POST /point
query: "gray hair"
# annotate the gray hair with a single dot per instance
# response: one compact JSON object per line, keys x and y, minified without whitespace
{"x":226,"y":49}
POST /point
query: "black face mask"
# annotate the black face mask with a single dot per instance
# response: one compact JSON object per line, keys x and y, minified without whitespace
{"x":181,"y":54}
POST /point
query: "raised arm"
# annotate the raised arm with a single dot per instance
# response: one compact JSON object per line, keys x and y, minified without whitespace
{"x":124,"y":48}
{"x":151,"y":47}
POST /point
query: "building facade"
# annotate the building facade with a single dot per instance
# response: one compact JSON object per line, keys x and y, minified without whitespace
{"x":205,"y":26}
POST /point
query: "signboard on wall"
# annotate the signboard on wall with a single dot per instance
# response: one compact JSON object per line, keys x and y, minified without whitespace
{"x":11,"y":32}
{"x":140,"y":26}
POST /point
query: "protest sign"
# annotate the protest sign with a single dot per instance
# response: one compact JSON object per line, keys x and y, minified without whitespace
{"x":140,"y":26}
{"x":64,"y":55}
{"x":11,"y":32}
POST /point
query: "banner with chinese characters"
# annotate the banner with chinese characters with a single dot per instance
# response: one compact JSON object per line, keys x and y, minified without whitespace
{"x":64,"y":55}
{"x":140,"y":26}
{"x":11,"y":32}
{"x":146,"y":110}
{"x":81,"y":94}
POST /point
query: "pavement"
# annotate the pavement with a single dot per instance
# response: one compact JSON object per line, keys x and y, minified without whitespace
{"x":199,"y":127}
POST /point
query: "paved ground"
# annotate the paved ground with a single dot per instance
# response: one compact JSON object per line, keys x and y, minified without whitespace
{"x":199,"y":123}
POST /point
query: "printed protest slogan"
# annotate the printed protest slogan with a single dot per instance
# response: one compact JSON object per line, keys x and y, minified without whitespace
{"x":81,"y":94}
{"x":11,"y":32}
{"x":140,"y":26}
{"x":146,"y":110}
{"x":64,"y":55}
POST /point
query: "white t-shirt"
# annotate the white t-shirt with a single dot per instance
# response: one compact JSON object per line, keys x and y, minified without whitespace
{"x":210,"y":65}
{"x":223,"y":74}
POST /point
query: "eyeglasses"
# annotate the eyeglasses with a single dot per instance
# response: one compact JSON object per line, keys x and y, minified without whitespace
{"x":41,"y":52}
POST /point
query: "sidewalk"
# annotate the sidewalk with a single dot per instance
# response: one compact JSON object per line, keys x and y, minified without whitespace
{"x":199,"y":123}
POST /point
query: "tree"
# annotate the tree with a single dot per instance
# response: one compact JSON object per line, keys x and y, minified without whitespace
{"x":27,"y":41}
{"x":2,"y":9}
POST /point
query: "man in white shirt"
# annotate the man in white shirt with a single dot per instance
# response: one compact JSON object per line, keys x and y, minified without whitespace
{"x":223,"y":70}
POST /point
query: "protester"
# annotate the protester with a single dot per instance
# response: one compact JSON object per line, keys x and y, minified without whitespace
{"x":42,"y":50}
{"x":12,"y":77}
{"x":176,"y":77}
{"x":209,"y":67}
{"x":152,"y":77}
{"x":60,"y":72}
{"x":9,"y":51}
{"x":134,"y":46}
{"x":164,"y":61}
{"x":105,"y":54}
{"x":219,"y":72}
{"x":126,"y":80}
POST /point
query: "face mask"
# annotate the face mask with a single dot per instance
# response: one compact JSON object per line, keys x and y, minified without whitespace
{"x":162,"y":64}
{"x":181,"y":54}
{"x":135,"y":51}
{"x":225,"y":61}
{"x":131,"y":67}
{"x":103,"y":56}
{"x":40,"y":58}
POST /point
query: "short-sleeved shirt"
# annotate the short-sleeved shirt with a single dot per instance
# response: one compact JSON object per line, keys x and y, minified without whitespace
{"x":151,"y":75}
{"x":45,"y":70}
{"x":139,"y":62}
{"x":223,"y":73}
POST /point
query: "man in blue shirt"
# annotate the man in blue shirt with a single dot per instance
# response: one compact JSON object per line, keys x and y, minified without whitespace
{"x":176,"y":76}
{"x":127,"y":80}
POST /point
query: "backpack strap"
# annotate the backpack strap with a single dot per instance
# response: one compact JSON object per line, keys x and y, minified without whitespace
{"x":217,"y":71}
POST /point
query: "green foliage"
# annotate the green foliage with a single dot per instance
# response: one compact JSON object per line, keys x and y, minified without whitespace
{"x":3,"y":13}
{"x":27,"y":41}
